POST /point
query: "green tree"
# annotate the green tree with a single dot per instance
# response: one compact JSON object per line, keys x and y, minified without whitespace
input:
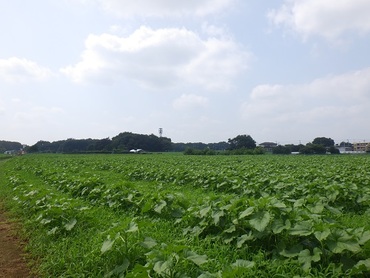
{"x":281,"y":150}
{"x":313,"y":149}
{"x":242,"y":141}
{"x":326,"y":142}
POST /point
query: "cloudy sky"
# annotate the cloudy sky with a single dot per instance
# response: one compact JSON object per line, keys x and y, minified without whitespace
{"x":203,"y":70}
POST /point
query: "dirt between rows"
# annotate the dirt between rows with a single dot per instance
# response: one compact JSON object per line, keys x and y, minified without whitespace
{"x":12,"y":256}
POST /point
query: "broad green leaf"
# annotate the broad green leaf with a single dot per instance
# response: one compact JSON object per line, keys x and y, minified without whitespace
{"x":292,"y":252}
{"x":243,"y":264}
{"x":338,"y":246}
{"x":231,"y":229}
{"x":163,"y":267}
{"x":53,"y":231}
{"x":298,"y":203}
{"x":246,"y":212}
{"x":120,"y":269}
{"x":318,"y":208}
{"x":365,"y":237}
{"x":303,"y":228}
{"x":242,"y":239}
{"x":203,"y":212}
{"x":107,"y":245}
{"x":69,"y":226}
{"x":147,"y":207}
{"x":322,"y":235}
{"x":278,"y":226}
{"x":277,"y":204}
{"x":195,"y":258}
{"x":158,"y":207}
{"x":363,"y":265}
{"x":45,"y":221}
{"x":132,"y":228}
{"x":217,"y":215}
{"x":334,"y":210}
{"x":340,"y":240}
{"x":149,"y":243}
{"x":316,"y":254}
{"x":260,"y":220}
{"x":305,"y":257}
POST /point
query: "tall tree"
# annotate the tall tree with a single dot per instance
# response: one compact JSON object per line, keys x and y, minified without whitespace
{"x":242,"y":141}
{"x":326,"y":142}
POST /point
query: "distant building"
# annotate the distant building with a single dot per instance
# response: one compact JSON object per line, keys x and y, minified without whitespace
{"x":361,"y":147}
{"x":345,"y":149}
{"x":268,"y":146}
{"x":14,"y":152}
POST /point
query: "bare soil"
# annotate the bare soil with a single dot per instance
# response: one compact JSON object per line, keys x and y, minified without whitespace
{"x":12,"y":256}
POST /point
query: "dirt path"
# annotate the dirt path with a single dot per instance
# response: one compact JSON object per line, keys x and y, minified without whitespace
{"x":12,"y":262}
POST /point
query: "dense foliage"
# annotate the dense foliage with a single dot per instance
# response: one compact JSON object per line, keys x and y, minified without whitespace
{"x":242,"y":142}
{"x":187,"y":216}
{"x":123,"y":142}
{"x":9,"y":145}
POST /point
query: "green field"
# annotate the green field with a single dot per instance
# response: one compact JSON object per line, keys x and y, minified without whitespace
{"x":164,"y":215}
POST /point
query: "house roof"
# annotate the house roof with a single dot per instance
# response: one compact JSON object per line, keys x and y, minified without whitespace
{"x":268,"y":144}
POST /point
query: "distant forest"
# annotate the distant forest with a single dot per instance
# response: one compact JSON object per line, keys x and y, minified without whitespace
{"x":126,"y":142}
{"x":122,"y":143}
{"x":8,"y":145}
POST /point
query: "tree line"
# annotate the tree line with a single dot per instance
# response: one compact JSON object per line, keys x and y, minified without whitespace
{"x":127,"y":141}
{"x":9,"y":146}
{"x":122,"y":143}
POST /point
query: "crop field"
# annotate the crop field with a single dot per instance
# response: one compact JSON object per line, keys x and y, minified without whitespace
{"x":170,"y":215}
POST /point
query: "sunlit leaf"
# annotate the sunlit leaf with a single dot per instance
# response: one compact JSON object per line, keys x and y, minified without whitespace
{"x":158,"y":207}
{"x":260,"y":220}
{"x":363,"y":265}
{"x":69,"y":226}
{"x":195,"y":258}
{"x":243,"y":238}
{"x":107,"y":245}
{"x":231,"y":229}
{"x":53,"y":231}
{"x":246,"y":212}
{"x":305,"y":257}
{"x":278,"y":226}
{"x":162,"y":267}
{"x":243,"y":264}
{"x":149,"y":243}
{"x":203,"y":212}
{"x":365,"y":237}
{"x":303,"y":228}
{"x":132,"y":228}
{"x":298,"y":203}
{"x":216,"y":216}
{"x":321,"y":235}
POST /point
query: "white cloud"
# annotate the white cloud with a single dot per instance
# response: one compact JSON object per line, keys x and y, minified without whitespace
{"x":21,"y":70}
{"x":329,"y":19}
{"x":334,"y":104}
{"x":190,"y":101}
{"x":160,"y":58}
{"x":160,"y":8}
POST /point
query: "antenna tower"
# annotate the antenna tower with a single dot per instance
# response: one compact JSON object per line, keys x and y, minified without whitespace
{"x":160,"y":132}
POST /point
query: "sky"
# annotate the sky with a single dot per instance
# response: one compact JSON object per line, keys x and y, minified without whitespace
{"x":202,"y":70}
